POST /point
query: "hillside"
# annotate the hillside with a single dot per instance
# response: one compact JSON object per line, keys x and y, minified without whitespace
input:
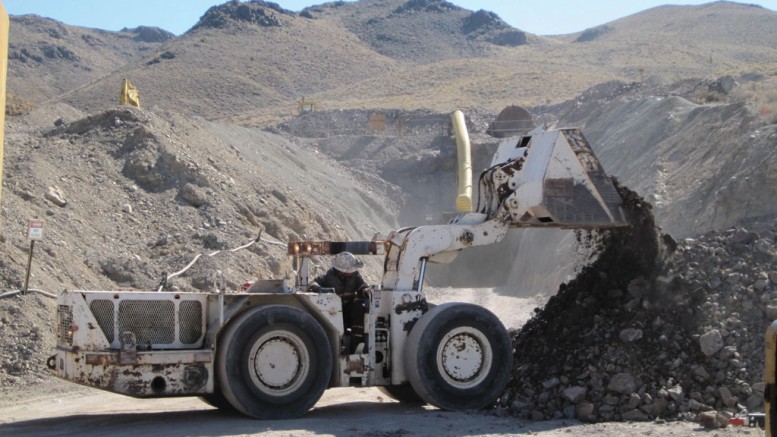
{"x":422,"y":31}
{"x":130,"y":194}
{"x":228,"y":64}
{"x":253,"y":67}
{"x":48,"y":58}
{"x":704,"y":167}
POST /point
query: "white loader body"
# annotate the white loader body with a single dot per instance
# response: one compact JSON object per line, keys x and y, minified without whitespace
{"x":271,"y":351}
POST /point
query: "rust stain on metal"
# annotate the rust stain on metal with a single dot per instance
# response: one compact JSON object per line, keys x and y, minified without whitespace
{"x":409,"y":325}
{"x":194,"y":377}
{"x":129,"y":372}
{"x":354,"y":365}
{"x":99,"y":359}
{"x":467,"y":237}
{"x":418,"y":305}
{"x":137,"y":387}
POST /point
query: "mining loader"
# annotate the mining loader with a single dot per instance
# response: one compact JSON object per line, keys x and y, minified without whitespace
{"x":271,"y":350}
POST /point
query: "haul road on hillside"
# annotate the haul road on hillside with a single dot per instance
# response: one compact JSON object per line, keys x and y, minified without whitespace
{"x":271,"y":351}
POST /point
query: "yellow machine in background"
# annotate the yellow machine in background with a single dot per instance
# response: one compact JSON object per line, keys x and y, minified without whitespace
{"x":4,"y":26}
{"x":128,"y":94}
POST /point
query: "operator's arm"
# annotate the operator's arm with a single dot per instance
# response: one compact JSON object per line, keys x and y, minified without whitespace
{"x":318,"y":283}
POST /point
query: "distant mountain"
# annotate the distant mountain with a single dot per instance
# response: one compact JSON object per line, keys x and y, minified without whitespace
{"x":720,"y":22}
{"x":244,"y":56}
{"x":251,"y":62}
{"x":48,"y":58}
{"x":421,"y":31}
{"x":720,"y":32}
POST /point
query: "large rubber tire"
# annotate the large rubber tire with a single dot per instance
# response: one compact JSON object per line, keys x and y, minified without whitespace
{"x":218,"y":400}
{"x":458,"y":357}
{"x":274,"y":362}
{"x":403,"y":393}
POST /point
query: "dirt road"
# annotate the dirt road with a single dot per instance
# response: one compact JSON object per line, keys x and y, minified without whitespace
{"x":341,"y":412}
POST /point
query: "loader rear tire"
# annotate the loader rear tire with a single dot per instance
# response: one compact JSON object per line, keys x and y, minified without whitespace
{"x":459,"y":357}
{"x":274,"y":362}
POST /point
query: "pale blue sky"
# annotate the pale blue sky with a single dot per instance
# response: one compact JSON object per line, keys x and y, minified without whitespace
{"x":542,"y":17}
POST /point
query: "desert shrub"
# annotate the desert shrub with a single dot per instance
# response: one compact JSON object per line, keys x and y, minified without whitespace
{"x":709,"y":96}
{"x":766,"y":103}
{"x":15,"y":105}
{"x":762,"y":96}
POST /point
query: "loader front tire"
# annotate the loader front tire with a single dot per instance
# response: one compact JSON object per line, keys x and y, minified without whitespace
{"x":459,"y":357}
{"x":274,"y":362}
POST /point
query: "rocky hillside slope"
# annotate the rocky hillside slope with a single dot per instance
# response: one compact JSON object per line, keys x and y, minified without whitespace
{"x":129,"y":194}
{"x":705,"y":166}
{"x":654,"y":328}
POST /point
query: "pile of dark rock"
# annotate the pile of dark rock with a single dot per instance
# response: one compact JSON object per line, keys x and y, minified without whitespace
{"x":654,"y":329}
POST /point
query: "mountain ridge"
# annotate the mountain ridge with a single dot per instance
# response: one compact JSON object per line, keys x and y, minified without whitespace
{"x":338,"y":60}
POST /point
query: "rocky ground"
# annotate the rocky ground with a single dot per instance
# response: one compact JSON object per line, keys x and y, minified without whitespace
{"x":27,"y":335}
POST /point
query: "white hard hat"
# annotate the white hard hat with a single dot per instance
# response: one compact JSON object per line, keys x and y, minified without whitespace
{"x":347,"y":263}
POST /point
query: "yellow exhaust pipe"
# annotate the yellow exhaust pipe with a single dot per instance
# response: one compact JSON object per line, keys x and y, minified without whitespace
{"x":464,"y":197}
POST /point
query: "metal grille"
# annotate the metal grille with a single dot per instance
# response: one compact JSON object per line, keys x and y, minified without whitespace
{"x":103,"y":312}
{"x":65,"y":321}
{"x":190,"y":314}
{"x":152,"y":321}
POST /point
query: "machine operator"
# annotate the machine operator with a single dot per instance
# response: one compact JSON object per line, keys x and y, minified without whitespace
{"x":345,"y":279}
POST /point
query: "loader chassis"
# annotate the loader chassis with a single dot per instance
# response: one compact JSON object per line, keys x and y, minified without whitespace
{"x":148,"y":344}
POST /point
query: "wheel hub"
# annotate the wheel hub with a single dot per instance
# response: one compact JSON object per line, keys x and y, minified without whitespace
{"x":462,"y":357}
{"x":276,"y":363}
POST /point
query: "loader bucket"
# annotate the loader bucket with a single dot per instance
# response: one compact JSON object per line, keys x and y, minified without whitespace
{"x":549,"y":179}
